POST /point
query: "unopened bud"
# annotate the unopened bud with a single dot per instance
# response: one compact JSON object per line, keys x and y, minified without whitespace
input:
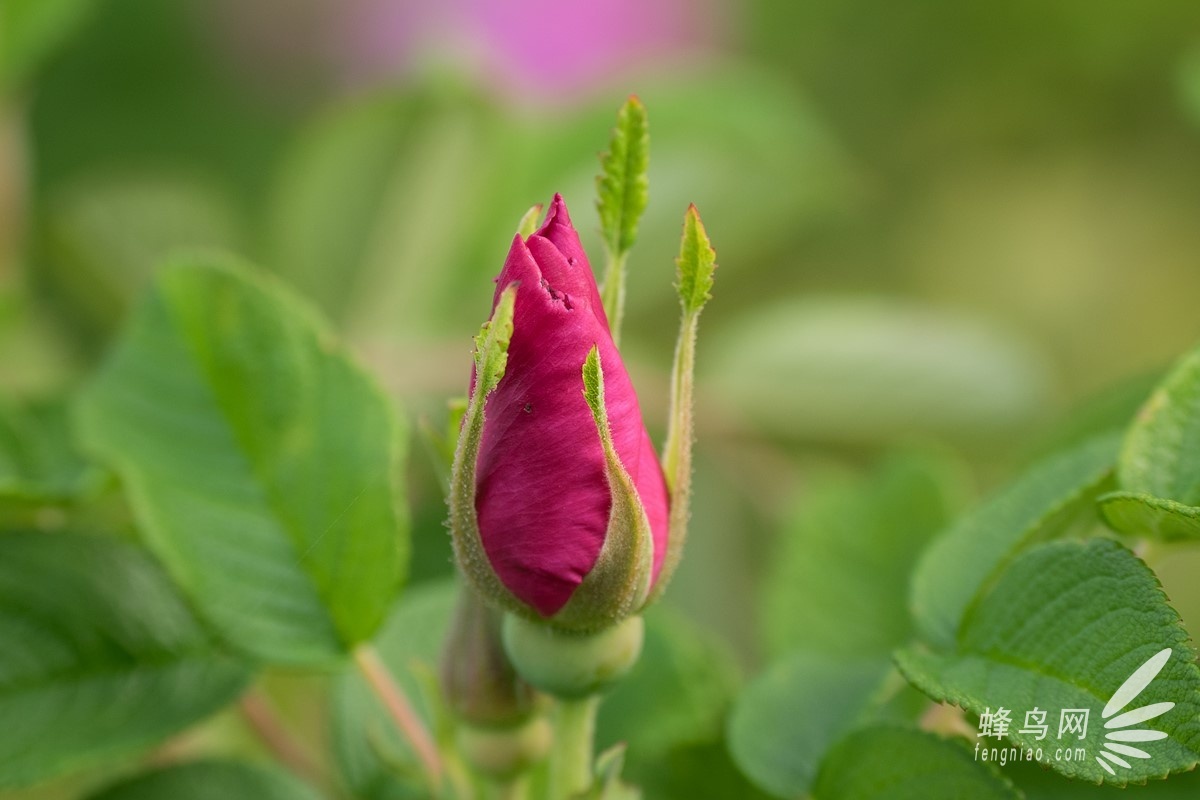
{"x":572,"y":665}
{"x":479,"y":682}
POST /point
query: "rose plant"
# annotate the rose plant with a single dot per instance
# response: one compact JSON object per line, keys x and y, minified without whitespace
{"x":220,"y":514}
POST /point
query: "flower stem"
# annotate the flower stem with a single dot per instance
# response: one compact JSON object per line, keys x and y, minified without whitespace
{"x":402,"y":712}
{"x":273,"y":733}
{"x":571,"y":758}
{"x":612,"y":293}
{"x":677,"y":452}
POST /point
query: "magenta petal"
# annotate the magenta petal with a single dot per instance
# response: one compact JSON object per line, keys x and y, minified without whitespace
{"x":542,"y":495}
{"x":519,"y":267}
{"x":573,"y":272}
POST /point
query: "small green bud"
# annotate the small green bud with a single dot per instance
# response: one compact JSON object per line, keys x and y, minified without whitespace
{"x":480,"y":685}
{"x":572,"y":665}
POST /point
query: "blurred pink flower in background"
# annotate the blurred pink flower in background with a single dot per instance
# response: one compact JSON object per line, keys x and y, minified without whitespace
{"x":551,"y":47}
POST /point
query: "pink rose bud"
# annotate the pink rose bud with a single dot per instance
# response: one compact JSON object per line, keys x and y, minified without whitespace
{"x":570,"y":520}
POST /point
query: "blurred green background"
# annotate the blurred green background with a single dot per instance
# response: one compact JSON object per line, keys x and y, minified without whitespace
{"x":962,"y":229}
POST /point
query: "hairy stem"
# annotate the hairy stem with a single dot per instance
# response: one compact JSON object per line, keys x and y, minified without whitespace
{"x":402,"y":712}
{"x":612,"y":293}
{"x":571,"y":757}
{"x":677,"y":453}
{"x":258,"y":713}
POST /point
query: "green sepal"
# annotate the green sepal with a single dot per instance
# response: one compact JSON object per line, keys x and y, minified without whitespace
{"x":491,"y":359}
{"x":696,"y":264}
{"x":529,"y":221}
{"x":620,"y":580}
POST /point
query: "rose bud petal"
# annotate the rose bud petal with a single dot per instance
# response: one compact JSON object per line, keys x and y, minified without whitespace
{"x":568,"y":504}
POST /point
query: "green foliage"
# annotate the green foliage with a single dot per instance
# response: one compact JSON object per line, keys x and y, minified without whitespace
{"x":210,"y":780}
{"x":39,"y":460}
{"x":30,"y":30}
{"x":1158,"y":472}
{"x":1147,"y":515}
{"x":838,"y":580}
{"x":1159,"y":457}
{"x":1042,"y":503}
{"x":622,"y":186}
{"x":1064,"y":627}
{"x":101,"y":659}
{"x":261,"y":462}
{"x":868,"y":371}
{"x":106,"y":234}
{"x":261,"y":465}
{"x":375,"y":761}
{"x":906,"y":764}
{"x":685,"y":773}
{"x":368,"y":206}
{"x":1038,"y":783}
{"x":787,"y":718}
{"x":676,"y":695}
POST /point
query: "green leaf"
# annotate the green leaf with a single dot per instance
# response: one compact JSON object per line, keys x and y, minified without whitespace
{"x":1161,"y":456}
{"x":1146,"y":515}
{"x":261,"y":462}
{"x":210,"y":780}
{"x":863,"y":370}
{"x":694,"y":771}
{"x":838,"y":581}
{"x":370,"y":752}
{"x":1039,"y":783}
{"x":892,"y":763}
{"x":1066,"y":626}
{"x":787,"y":718}
{"x":696,"y":263}
{"x":39,"y":460}
{"x":1042,"y":503}
{"x":677,"y":694}
{"x":622,"y":187}
{"x":102,"y":658}
{"x":31,"y":29}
